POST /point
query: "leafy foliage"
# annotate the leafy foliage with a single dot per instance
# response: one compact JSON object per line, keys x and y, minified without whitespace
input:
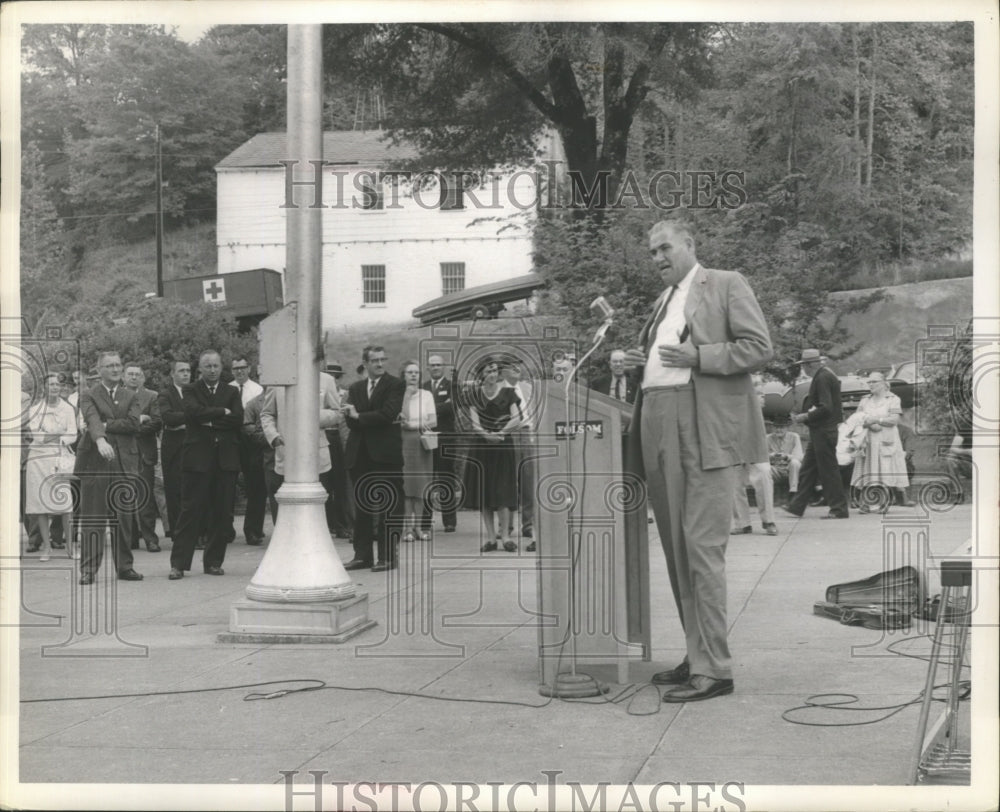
{"x":157,"y":331}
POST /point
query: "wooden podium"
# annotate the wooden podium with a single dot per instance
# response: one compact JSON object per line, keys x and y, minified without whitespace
{"x":590,"y":523}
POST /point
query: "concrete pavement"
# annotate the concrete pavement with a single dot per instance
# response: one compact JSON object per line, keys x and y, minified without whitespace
{"x":468,"y":635}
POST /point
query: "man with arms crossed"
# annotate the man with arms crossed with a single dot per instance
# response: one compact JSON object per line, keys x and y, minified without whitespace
{"x":696,"y":418}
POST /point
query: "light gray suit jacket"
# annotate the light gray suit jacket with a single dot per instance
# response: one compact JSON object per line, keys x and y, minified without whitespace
{"x":730,"y":333}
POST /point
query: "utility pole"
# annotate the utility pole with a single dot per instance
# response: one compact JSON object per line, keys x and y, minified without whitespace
{"x":159,"y":216}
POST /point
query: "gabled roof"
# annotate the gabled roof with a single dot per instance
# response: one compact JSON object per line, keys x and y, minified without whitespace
{"x":363,"y":147}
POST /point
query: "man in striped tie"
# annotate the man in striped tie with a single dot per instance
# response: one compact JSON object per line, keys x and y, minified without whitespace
{"x":696,"y":418}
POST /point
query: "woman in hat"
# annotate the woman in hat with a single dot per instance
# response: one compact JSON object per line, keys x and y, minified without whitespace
{"x":880,"y":464}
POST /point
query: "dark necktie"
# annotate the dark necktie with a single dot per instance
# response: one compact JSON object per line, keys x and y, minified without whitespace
{"x":241,"y":393}
{"x":371,"y":388}
{"x":618,"y":389}
{"x":660,"y":314}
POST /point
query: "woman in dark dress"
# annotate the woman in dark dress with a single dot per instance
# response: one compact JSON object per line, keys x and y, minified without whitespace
{"x":494,"y":412}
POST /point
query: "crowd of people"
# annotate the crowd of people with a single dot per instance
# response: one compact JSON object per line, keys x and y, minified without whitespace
{"x":111,"y":456}
{"x":105,"y":458}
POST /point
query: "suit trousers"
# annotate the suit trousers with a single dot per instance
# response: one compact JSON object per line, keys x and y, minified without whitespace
{"x":692,"y":507}
{"x":206,"y":506}
{"x":172,"y":461}
{"x":105,"y":505}
{"x":252,"y":466}
{"x":142,"y":521}
{"x":819,"y":463}
{"x":758,"y":476}
{"x":443,"y":489}
{"x":378,"y":502}
{"x":340,"y":505}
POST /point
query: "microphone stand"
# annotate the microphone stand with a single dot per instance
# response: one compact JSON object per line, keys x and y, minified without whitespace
{"x":569,"y":683}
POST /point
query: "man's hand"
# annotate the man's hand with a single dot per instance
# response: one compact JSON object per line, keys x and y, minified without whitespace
{"x":635,"y":358}
{"x":799,"y":418}
{"x":105,"y":449}
{"x":143,"y":419}
{"x":494,"y":437}
{"x":228,"y":412}
{"x":350,"y":411}
{"x":277,"y":442}
{"x":678,"y":355}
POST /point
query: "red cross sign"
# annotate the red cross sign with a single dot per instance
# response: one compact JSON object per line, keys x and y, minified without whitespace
{"x":214,"y":290}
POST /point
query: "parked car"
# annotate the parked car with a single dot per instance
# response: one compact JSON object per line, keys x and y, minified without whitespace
{"x":781,"y":400}
{"x":906,"y":381}
{"x":480,"y":302}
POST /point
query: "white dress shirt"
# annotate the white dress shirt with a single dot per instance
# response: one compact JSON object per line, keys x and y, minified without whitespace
{"x":669,"y":332}
{"x":250,"y":390}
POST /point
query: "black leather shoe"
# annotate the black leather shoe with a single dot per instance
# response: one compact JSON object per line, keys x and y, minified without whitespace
{"x":531,"y":547}
{"x":675,"y":676}
{"x":175,"y":574}
{"x":391,"y":565}
{"x":741,"y":531}
{"x":129,"y":575}
{"x":791,"y":512}
{"x":153,"y":548}
{"x":771,"y":528}
{"x":58,"y":545}
{"x":214,"y":571}
{"x":697,"y":688}
{"x":87,"y":579}
{"x":832,"y":515}
{"x":449,"y":530}
{"x":32,"y":548}
{"x":135,"y":545}
{"x":357,"y":564}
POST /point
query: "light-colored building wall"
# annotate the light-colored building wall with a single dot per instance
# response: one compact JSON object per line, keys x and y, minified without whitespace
{"x":411,"y":236}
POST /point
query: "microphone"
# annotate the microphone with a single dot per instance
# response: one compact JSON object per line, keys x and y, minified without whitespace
{"x":602,"y":310}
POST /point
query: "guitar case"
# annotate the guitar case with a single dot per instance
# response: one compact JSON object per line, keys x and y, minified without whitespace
{"x":886,"y":600}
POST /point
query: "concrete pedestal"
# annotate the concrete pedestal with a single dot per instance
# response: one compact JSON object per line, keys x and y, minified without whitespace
{"x":321,"y":622}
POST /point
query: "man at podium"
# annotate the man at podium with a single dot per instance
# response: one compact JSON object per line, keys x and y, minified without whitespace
{"x":696,"y":417}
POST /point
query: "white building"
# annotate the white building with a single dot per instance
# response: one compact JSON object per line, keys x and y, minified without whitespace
{"x":388,"y":245}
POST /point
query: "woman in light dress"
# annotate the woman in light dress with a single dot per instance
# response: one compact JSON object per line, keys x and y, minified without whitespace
{"x":417,"y":417}
{"x":49,"y":465}
{"x":881,"y":459}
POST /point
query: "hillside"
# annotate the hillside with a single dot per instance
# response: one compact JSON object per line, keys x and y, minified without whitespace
{"x":889,"y":330}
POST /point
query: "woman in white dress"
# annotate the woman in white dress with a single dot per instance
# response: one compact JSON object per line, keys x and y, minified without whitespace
{"x":418,"y":416}
{"x":49,"y":465}
{"x":881,"y":459}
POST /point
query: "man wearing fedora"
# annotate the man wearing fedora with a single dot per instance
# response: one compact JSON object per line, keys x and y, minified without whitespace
{"x":822,"y":415}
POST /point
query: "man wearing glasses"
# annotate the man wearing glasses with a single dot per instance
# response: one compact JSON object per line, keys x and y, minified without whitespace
{"x":251,"y":460}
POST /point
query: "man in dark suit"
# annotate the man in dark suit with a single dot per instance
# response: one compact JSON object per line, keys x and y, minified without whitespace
{"x":374,"y":456}
{"x":697,"y":418}
{"x":107,"y":463}
{"x":616,"y":383}
{"x":171,"y":407}
{"x":822,"y":415}
{"x":213,"y":415}
{"x":440,"y":386}
{"x":143,"y":521}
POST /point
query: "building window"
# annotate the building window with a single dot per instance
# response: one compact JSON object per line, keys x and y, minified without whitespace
{"x":452,"y":194}
{"x":452,"y":277}
{"x":373,"y":284}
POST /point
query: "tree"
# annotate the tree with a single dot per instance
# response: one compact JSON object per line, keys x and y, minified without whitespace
{"x":475,"y":96}
{"x":43,"y":253}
